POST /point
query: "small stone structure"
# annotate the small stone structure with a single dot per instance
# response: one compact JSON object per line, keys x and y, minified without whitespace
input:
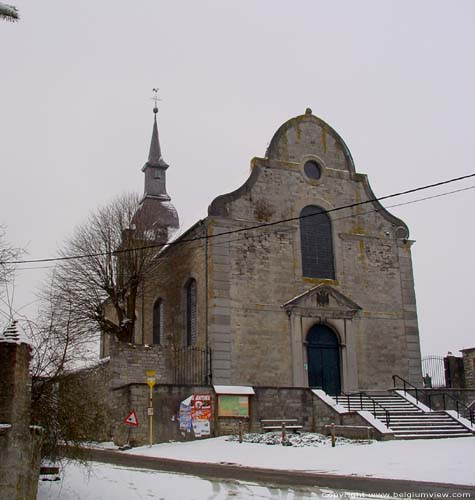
{"x":20,"y":443}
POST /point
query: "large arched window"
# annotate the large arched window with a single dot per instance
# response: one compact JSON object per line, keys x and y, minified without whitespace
{"x":158,"y":322}
{"x":316,"y":243}
{"x":191,"y":320}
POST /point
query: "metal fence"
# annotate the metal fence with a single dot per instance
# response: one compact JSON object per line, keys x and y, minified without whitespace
{"x":192,"y":365}
{"x":433,"y":371}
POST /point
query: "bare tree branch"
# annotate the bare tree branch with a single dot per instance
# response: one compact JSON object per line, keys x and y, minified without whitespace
{"x":102,"y":287}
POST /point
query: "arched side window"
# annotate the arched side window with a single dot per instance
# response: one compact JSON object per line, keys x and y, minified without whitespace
{"x":191,"y":320}
{"x":316,"y":243}
{"x":158,"y":322}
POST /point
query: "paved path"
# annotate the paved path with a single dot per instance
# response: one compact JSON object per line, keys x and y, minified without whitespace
{"x":284,"y":477}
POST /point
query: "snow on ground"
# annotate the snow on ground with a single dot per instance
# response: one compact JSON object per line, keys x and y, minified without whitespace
{"x":104,"y":482}
{"x":435,"y":460}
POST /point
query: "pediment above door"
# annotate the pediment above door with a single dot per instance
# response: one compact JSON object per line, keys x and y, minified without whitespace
{"x":322,"y":300}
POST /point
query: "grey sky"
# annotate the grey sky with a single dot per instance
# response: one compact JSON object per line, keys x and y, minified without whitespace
{"x":396,"y":80}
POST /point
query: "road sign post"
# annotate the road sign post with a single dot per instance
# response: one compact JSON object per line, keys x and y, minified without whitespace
{"x":151,"y":381}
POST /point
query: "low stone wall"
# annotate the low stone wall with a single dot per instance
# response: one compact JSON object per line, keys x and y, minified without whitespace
{"x":349,"y":422}
{"x":267,"y":403}
{"x":351,"y":431}
{"x":285,"y":402}
{"x":166,"y":404}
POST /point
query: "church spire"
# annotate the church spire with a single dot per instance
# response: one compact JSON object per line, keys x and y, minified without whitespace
{"x":155,"y":155}
{"x":155,"y":167}
{"x":156,"y":218}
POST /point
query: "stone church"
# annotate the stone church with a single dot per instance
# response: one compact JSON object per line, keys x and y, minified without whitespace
{"x":298,"y":278}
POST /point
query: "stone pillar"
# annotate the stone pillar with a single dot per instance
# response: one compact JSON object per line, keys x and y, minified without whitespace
{"x":469,"y":367}
{"x":454,"y":372}
{"x":17,"y":479}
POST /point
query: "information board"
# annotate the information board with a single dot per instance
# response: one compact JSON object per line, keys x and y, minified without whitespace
{"x":233,"y":406}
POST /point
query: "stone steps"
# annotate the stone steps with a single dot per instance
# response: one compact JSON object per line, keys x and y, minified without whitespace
{"x":407,"y":420}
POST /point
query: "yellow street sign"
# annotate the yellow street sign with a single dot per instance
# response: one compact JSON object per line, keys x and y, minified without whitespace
{"x":151,"y":380}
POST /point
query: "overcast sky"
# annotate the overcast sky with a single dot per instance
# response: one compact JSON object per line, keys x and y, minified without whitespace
{"x":396,"y":79}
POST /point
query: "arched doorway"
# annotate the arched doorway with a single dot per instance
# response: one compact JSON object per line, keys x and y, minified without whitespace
{"x":323,"y":359}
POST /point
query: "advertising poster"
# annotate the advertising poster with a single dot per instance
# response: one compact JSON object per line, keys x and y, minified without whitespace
{"x":185,"y":415}
{"x":201,"y":414}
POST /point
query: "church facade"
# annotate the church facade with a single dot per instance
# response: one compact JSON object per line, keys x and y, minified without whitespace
{"x":299,"y":278}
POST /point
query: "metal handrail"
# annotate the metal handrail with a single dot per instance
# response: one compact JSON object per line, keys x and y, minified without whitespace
{"x":386,"y":411}
{"x":361,"y":394}
{"x":458,"y":403}
{"x":405,"y":382}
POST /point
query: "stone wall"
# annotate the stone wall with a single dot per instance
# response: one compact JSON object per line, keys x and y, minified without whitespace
{"x":176,"y":265}
{"x":166,"y":404}
{"x":20,"y":444}
{"x":267,"y":403}
{"x":289,"y":402}
{"x":260,"y":272}
{"x":129,"y":362}
{"x":469,"y":367}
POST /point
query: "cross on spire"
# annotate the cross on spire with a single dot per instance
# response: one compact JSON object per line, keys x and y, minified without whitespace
{"x":155,"y":98}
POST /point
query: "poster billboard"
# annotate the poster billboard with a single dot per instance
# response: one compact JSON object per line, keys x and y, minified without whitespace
{"x":196,"y":414}
{"x":185,"y":415}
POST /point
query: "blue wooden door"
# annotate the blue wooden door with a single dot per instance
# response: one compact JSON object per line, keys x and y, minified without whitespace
{"x":323,"y":359}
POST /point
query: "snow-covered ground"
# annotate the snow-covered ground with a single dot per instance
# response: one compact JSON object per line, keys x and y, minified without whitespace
{"x":435,"y":460}
{"x":438,"y":460}
{"x":110,"y":482}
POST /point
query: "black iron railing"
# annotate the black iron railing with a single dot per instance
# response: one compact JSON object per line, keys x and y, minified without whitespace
{"x":192,"y":365}
{"x":406,"y":385}
{"x":461,"y":408}
{"x":465,"y":412}
{"x":347,"y":398}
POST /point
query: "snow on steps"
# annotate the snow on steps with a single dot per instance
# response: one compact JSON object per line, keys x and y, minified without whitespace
{"x":409,"y":419}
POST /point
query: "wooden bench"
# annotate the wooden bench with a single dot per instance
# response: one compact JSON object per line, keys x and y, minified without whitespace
{"x":276,"y":424}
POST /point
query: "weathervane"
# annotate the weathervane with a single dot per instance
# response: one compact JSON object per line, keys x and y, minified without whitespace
{"x":155,"y":98}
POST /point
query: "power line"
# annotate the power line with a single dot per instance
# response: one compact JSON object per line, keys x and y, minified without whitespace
{"x":257,"y":226}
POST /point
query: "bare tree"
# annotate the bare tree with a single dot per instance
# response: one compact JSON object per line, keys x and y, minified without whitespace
{"x":105,"y":263}
{"x":68,"y":399}
{"x":8,"y":255}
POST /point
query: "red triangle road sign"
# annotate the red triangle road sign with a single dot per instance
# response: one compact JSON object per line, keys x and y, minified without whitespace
{"x":132,"y":419}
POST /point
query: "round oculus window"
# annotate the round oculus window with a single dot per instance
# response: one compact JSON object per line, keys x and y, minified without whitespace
{"x":312,"y":169}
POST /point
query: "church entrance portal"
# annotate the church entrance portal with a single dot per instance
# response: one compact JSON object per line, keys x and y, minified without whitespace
{"x":323,"y":358}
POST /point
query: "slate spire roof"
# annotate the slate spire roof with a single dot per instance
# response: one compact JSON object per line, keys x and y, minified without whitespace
{"x":155,"y":158}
